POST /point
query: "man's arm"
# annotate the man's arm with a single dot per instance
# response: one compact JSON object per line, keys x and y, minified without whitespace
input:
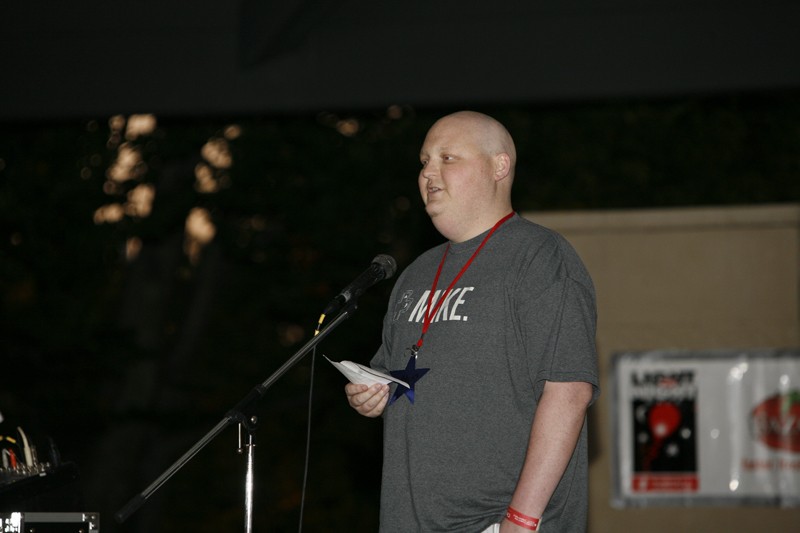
{"x":556,"y":427}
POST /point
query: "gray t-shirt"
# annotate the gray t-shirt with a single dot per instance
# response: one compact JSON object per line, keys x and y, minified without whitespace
{"x":522,"y":314}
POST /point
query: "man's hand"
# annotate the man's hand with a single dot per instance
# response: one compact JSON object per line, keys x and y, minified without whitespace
{"x":508,"y":527}
{"x":367,"y":400}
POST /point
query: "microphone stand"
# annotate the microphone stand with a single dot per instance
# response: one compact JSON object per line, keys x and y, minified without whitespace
{"x":239,"y":414}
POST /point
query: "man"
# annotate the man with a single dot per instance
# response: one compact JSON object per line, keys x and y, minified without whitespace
{"x":493,"y":331}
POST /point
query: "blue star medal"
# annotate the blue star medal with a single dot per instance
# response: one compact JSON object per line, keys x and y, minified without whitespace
{"x":411,"y":374}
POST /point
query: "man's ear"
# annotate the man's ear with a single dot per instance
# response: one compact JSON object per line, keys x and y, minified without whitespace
{"x":502,"y":166}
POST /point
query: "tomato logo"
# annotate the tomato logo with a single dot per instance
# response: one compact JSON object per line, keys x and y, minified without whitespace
{"x":775,"y":422}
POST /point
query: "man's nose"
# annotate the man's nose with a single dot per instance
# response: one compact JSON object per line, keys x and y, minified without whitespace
{"x":429,"y":170}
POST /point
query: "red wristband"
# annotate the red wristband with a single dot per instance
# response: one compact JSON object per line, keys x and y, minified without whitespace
{"x":515,"y":517}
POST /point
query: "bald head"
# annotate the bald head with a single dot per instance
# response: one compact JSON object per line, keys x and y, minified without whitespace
{"x":486,"y":132}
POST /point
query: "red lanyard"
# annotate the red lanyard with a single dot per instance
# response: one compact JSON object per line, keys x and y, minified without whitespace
{"x":426,"y":322}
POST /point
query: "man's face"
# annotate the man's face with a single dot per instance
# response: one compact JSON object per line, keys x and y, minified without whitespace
{"x":456,"y":179}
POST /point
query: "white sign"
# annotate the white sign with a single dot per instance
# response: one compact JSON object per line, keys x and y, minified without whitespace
{"x":706,"y":427}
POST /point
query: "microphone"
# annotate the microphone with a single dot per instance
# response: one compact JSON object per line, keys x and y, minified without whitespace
{"x":382,"y":267}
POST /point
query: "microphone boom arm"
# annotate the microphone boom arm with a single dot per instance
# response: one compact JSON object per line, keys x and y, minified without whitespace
{"x":238,"y":414}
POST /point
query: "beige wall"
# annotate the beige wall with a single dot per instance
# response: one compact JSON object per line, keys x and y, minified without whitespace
{"x":690,"y":278}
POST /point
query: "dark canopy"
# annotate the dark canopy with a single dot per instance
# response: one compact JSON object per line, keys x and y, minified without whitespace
{"x":223,"y":57}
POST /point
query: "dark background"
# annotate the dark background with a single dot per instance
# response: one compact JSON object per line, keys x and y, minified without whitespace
{"x":125,"y":364}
